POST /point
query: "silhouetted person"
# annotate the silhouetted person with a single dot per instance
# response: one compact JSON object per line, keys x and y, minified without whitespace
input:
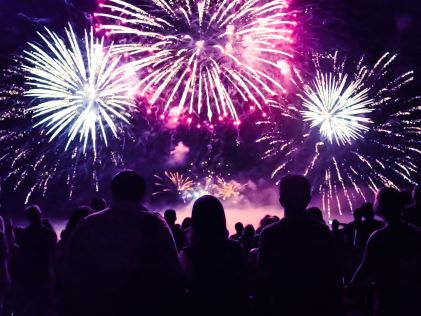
{"x":370,"y":224}
{"x":35,"y":278}
{"x":98,"y":205}
{"x":392,"y":259}
{"x":186,"y":227}
{"x":296,"y":271}
{"x":178,"y":234}
{"x":247,"y":239}
{"x":214,"y":264}
{"x":4,"y":269}
{"x":123,"y":260}
{"x":265,"y":221}
{"x":339,"y":247}
{"x":353,"y":229}
{"x":354,"y":244}
{"x":315,"y":214}
{"x":186,"y":223}
{"x":414,"y":213}
{"x":239,"y":228}
{"x":77,"y":216}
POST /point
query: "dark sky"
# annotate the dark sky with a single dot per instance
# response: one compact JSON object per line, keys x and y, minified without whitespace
{"x":354,"y":26}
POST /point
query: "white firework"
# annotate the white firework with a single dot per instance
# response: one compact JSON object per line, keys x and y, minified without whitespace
{"x":338,"y":106}
{"x":352,"y":130}
{"x":80,"y":89}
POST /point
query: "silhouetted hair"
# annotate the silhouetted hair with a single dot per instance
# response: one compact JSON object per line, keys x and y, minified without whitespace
{"x":127,"y":185}
{"x":186,"y":223}
{"x":249,"y":231}
{"x":208,"y":220}
{"x":170,"y":216}
{"x":239,"y":227}
{"x":358,"y":214}
{"x":262,"y":222}
{"x":98,"y":205}
{"x":294,"y":192}
{"x":77,"y":216}
{"x":270,"y":220}
{"x":33,"y":213}
{"x":335,"y":225}
{"x":315,"y":214}
{"x":389,"y":204}
{"x":367,"y":210}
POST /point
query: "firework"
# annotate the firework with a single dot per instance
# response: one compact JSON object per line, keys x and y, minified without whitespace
{"x":177,"y":182}
{"x":32,"y":163}
{"x":191,"y":188}
{"x":226,"y":190}
{"x":79,"y":89}
{"x":204,"y":58}
{"x":338,"y":105}
{"x":351,"y":132}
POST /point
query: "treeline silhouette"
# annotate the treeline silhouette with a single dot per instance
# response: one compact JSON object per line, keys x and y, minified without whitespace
{"x":125,"y":260}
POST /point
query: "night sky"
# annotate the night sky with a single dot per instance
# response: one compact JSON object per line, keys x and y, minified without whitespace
{"x":355,"y":27}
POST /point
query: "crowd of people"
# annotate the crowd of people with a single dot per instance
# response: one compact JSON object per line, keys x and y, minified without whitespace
{"x":125,"y":260}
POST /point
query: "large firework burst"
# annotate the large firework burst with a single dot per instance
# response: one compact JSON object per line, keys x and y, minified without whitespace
{"x":78,"y":91}
{"x":59,"y":91}
{"x":350,"y":131}
{"x":203,"y":57}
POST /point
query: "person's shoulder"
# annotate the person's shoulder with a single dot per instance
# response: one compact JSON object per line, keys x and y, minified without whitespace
{"x":91,"y":222}
{"x":234,"y":244}
{"x":274,"y":227}
{"x":378,"y":235}
{"x":94,"y":218}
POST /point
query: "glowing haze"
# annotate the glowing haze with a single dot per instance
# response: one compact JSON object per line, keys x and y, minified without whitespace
{"x":208,"y":59}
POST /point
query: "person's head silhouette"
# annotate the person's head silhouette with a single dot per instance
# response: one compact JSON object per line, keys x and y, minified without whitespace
{"x":186,"y":224}
{"x":389,"y":205}
{"x":294,"y":195}
{"x":33,"y":214}
{"x":367,"y":211}
{"x":239,"y":227}
{"x":335,"y":225}
{"x":170,"y":217}
{"x":249,"y":231}
{"x":128,"y":186}
{"x":358,"y":215}
{"x":208,"y":220}
{"x":77,"y":216}
{"x":315,"y":214}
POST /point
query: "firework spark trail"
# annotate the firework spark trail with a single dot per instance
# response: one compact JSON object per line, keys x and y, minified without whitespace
{"x":354,"y":129}
{"x":79,"y":91}
{"x":189,"y":188}
{"x":226,"y":190}
{"x":31,"y":160}
{"x":173,"y":181}
{"x":204,"y":57}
